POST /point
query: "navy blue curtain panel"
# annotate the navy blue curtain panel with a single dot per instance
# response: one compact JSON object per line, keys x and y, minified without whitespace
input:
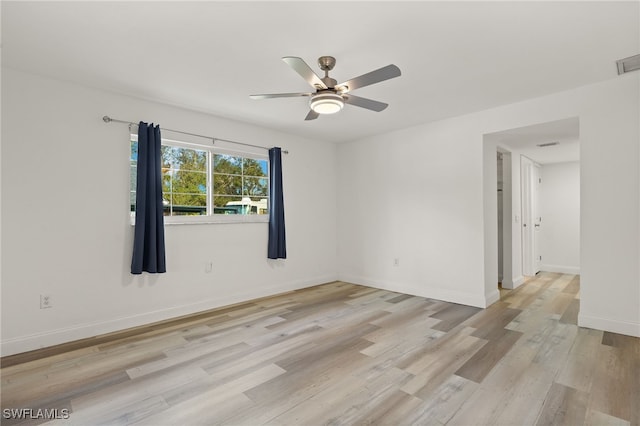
{"x":277,"y":242}
{"x":148,"y":241}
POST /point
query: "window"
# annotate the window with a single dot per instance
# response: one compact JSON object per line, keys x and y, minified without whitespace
{"x":204,"y":184}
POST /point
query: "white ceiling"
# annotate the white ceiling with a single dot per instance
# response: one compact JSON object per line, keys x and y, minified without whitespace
{"x":455,"y":57}
{"x":525,"y":140}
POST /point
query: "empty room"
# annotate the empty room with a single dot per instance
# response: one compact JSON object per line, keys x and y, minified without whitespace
{"x":309,"y":213}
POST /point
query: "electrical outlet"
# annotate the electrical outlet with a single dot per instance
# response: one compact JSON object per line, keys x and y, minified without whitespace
{"x":208,"y":267}
{"x":396,"y":261}
{"x":45,"y":301}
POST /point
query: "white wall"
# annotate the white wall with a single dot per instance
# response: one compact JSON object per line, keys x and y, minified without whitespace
{"x":508,"y":281}
{"x":417,"y":195}
{"x":65,"y":219}
{"x":560,"y":212}
{"x":427,"y":195}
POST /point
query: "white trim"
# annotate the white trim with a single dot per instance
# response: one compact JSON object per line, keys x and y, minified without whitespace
{"x":214,"y":218}
{"x":607,"y":324}
{"x":575,"y":270}
{"x":414,"y":289}
{"x":507,"y":283}
{"x":518,"y":281}
{"x":81,"y":331}
{"x":492,"y":298}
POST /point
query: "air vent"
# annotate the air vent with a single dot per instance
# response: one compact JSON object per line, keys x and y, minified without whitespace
{"x":544,"y":145}
{"x":632,"y":63}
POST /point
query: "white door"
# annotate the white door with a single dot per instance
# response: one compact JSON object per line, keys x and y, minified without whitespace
{"x":531,"y":223}
{"x":536,"y":181}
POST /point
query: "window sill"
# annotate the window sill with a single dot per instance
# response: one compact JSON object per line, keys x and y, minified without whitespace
{"x":211,"y":220}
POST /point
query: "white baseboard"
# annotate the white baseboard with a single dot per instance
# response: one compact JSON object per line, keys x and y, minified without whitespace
{"x":606,"y":324}
{"x":413,"y":289}
{"x":575,"y":270}
{"x":81,"y":331}
{"x":492,"y":298}
{"x":518,"y":281}
{"x":507,"y":283}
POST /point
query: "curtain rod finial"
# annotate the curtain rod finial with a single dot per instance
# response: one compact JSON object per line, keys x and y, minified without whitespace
{"x":106,"y":119}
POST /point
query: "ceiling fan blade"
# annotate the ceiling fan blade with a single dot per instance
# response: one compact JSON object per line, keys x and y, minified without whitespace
{"x":364,"y":102}
{"x":305,"y":71}
{"x":312,"y":115}
{"x":381,"y":74}
{"x":279,"y":95}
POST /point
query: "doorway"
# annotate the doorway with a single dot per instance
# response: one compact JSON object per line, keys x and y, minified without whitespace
{"x":551,"y":151}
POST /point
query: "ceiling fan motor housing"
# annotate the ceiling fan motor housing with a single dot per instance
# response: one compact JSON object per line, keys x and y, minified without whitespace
{"x":326,"y":102}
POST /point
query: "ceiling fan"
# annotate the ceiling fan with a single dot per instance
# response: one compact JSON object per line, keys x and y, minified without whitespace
{"x":330,"y":96}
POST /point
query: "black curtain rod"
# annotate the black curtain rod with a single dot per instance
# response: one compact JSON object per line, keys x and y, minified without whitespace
{"x":108,"y":119}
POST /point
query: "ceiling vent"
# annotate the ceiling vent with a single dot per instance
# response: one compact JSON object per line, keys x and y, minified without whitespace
{"x":544,"y":145}
{"x":632,"y":63}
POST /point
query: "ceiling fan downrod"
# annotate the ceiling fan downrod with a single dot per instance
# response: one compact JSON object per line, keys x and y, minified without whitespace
{"x":326,"y":64}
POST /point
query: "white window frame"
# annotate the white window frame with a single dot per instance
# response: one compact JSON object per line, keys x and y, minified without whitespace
{"x":211,"y":218}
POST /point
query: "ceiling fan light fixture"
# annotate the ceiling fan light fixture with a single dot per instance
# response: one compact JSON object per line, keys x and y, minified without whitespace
{"x":329,"y":97}
{"x":326,"y":103}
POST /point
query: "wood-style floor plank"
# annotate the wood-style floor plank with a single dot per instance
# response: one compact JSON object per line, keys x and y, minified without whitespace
{"x":483,"y":361}
{"x":563,"y":406}
{"x":344,"y":354}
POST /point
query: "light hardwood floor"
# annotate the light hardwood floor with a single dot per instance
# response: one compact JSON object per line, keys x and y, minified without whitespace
{"x":346,"y":354}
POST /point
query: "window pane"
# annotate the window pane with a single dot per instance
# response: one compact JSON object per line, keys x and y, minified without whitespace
{"x":133,"y":174}
{"x":187,"y":205}
{"x":240,"y":185}
{"x":229,"y":164}
{"x":188,"y":199}
{"x":227,"y":184}
{"x":184,"y":180}
{"x":227,"y":205}
{"x":134,"y":151}
{"x":239,"y":205}
{"x":254,"y":186}
{"x":166,"y":181}
{"x":132,"y":200}
{"x":253,"y":167}
{"x":174,"y":157}
{"x":191,"y":160}
{"x":259,"y":205}
{"x":167,"y":156}
{"x":190,"y":182}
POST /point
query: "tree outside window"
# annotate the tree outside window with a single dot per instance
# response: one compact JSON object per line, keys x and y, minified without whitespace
{"x":234,"y":185}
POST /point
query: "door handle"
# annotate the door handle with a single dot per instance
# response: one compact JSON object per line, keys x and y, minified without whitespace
{"x":537,"y":225}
